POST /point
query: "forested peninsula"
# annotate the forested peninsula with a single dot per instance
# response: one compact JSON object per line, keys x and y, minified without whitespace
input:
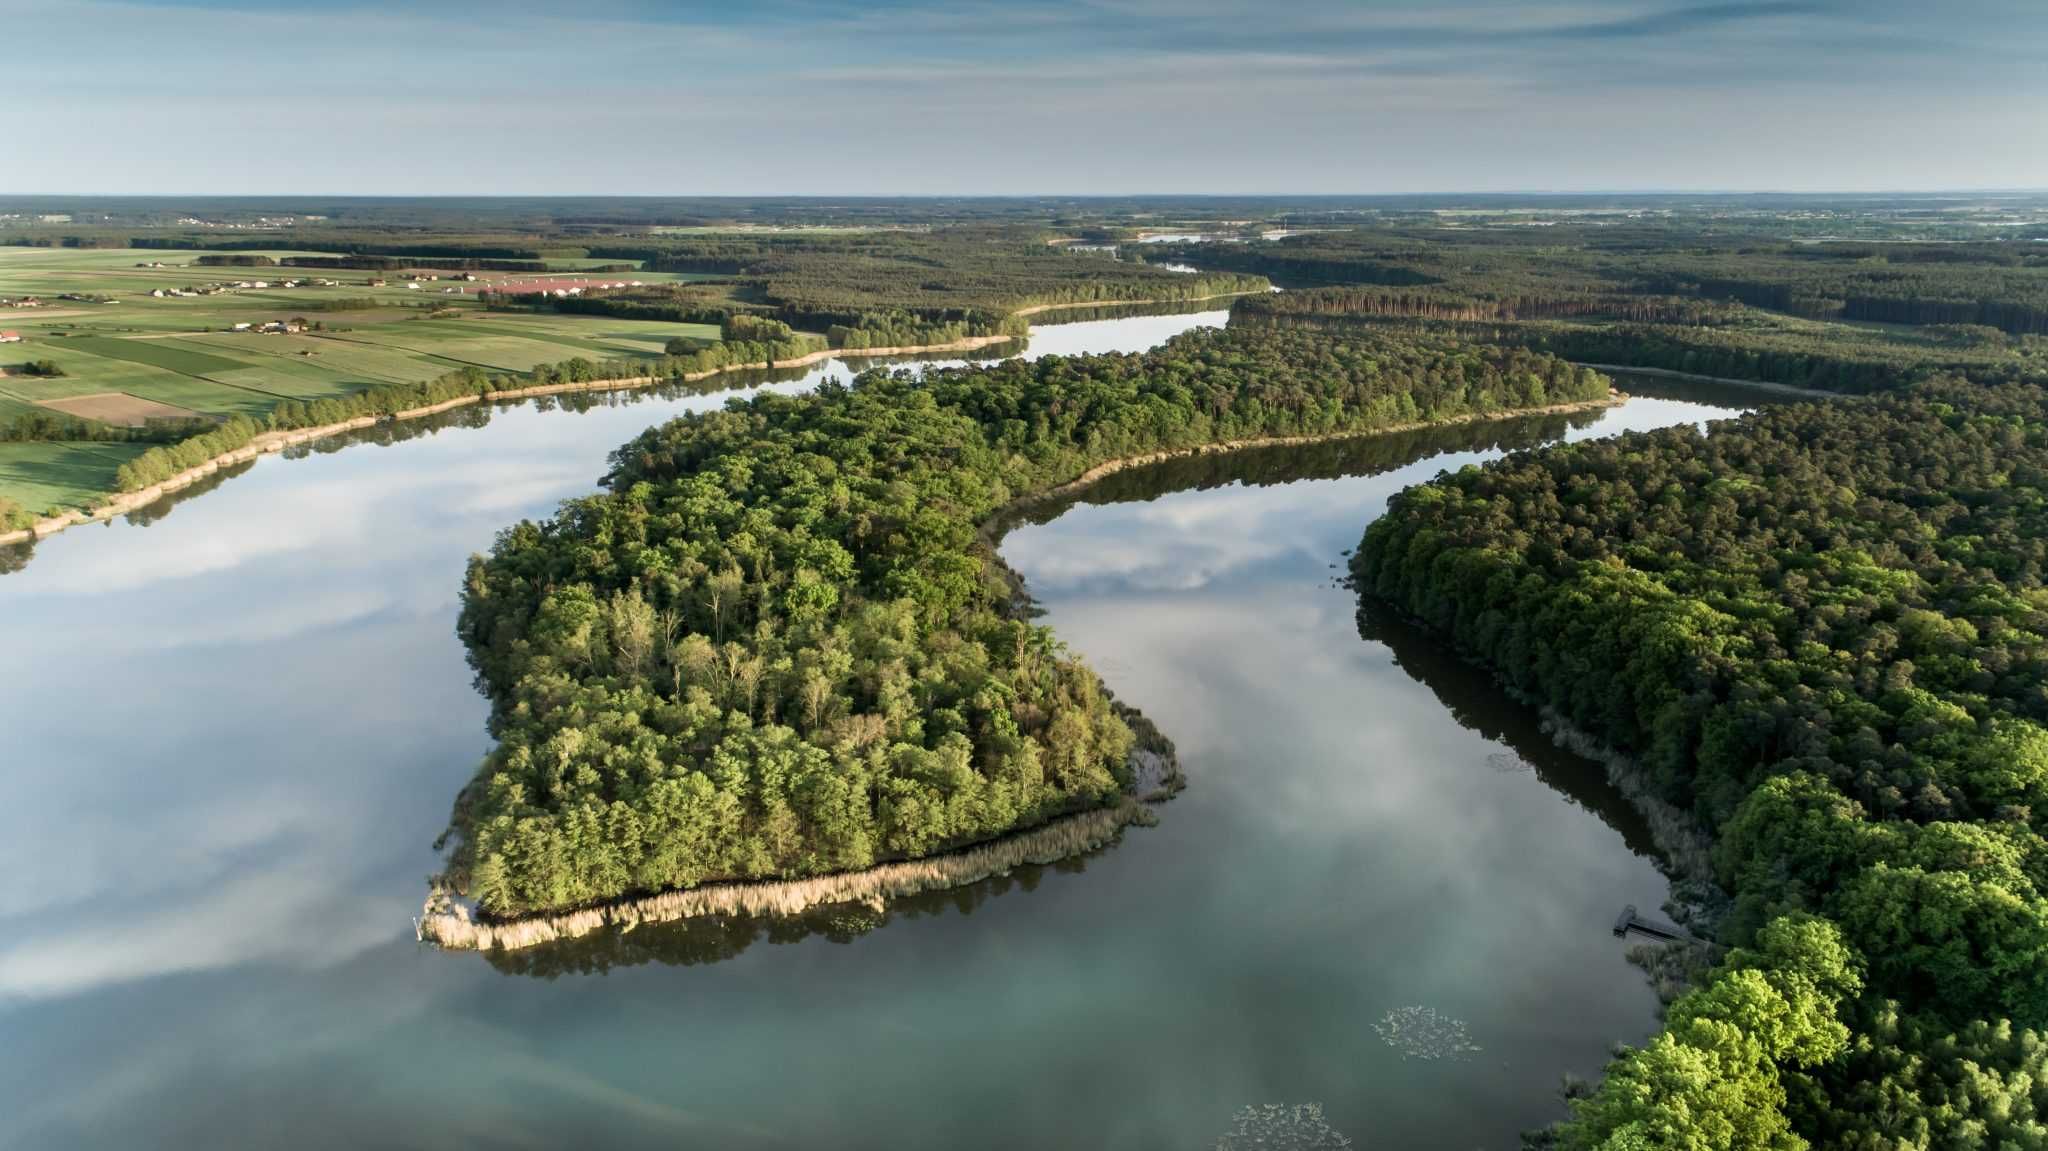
{"x":1820,"y":630}
{"x":779,"y":644}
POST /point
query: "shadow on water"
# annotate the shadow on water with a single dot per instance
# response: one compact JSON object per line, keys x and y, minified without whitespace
{"x":473,"y":416}
{"x":15,"y":557}
{"x":154,"y":512}
{"x":1473,"y":698}
{"x":1295,"y":463}
{"x":1083,"y":313}
{"x":1717,"y":393}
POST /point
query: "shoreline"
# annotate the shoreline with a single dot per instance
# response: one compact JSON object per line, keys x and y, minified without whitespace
{"x":1104,"y":470}
{"x":268,"y":442}
{"x":449,"y":924}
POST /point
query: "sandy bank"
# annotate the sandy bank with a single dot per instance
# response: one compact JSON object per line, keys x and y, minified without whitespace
{"x":450,"y":925}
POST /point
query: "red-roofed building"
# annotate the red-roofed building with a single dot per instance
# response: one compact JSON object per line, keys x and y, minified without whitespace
{"x":10,"y":337}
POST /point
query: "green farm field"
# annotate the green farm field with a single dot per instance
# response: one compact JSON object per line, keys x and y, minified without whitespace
{"x":44,"y":477}
{"x":183,"y":351}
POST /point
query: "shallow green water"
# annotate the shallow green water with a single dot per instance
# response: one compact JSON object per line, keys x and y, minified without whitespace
{"x":233,"y":733}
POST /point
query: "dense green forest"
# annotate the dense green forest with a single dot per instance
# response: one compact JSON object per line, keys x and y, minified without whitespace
{"x":780,"y":644}
{"x":1820,"y":629}
{"x":1653,"y":273}
{"x":1732,"y":341}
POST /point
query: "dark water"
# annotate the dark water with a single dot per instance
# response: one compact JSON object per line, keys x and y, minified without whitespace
{"x":231,"y":735}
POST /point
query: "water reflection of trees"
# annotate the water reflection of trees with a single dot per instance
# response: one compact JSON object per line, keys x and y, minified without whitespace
{"x":1477,"y":701}
{"x":1285,"y":464}
{"x":714,"y":939}
{"x":1471,"y":695}
{"x":156,"y":510}
{"x":15,"y":557}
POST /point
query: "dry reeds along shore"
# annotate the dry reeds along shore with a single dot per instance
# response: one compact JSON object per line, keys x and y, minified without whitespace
{"x":449,"y":923}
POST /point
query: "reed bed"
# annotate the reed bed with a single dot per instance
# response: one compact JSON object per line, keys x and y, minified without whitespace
{"x":1686,"y":845}
{"x":449,"y":923}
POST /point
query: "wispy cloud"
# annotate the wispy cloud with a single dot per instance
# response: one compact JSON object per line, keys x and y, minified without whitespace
{"x":1076,"y":95}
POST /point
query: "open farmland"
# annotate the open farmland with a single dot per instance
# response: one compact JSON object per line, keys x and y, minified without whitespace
{"x":60,"y":475}
{"x":127,"y":355}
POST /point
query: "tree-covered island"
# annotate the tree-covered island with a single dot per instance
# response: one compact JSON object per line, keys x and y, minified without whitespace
{"x":779,"y":644}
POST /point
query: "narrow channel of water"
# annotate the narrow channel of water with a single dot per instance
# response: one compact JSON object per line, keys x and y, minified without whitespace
{"x":234,"y":731}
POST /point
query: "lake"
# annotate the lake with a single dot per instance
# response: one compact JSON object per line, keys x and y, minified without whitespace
{"x":234,"y":731}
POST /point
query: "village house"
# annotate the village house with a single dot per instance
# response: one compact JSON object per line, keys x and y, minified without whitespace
{"x":10,"y":337}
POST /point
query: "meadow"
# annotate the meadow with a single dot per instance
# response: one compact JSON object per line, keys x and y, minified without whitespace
{"x":61,"y":475}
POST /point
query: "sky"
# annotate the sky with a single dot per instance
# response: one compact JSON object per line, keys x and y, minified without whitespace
{"x":832,"y":97}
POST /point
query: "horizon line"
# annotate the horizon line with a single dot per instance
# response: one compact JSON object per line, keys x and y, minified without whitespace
{"x":1989,"y":190}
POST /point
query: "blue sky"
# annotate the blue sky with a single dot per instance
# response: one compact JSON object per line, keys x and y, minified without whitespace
{"x":1073,"y":96}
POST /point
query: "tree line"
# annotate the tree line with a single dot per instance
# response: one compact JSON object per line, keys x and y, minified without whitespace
{"x":1586,"y":271}
{"x":1733,"y":342}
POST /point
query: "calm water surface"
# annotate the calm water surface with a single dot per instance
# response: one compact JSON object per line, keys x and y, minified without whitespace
{"x":233,"y":734}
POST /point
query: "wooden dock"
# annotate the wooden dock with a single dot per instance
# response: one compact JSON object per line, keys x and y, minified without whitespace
{"x":1628,"y":921}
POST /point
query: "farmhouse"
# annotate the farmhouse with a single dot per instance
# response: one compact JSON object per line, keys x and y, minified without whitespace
{"x":10,"y":337}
